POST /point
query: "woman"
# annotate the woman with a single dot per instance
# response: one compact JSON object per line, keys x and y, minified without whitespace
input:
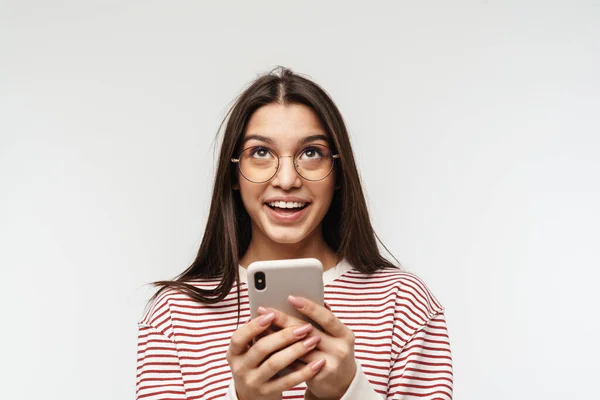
{"x":287,"y":187}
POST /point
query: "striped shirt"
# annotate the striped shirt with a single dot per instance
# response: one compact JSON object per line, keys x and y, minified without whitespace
{"x":401,"y":348}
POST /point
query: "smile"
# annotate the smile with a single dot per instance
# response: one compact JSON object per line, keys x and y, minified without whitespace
{"x":282,"y":213}
{"x":286,"y":205}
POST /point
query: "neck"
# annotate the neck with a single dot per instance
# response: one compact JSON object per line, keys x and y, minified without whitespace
{"x":261,"y":249}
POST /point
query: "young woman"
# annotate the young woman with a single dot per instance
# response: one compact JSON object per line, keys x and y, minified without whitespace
{"x":287,"y":187}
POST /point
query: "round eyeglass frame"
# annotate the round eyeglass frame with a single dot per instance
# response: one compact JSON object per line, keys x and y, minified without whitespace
{"x":278,"y":157}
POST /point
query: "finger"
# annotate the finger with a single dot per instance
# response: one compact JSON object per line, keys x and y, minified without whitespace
{"x":295,"y":378}
{"x":297,"y":365}
{"x":283,"y":358}
{"x":244,"y":335}
{"x":270,"y":330}
{"x":274,"y":342}
{"x":266,"y":332}
{"x":311,"y":356}
{"x":282,"y":319}
{"x":320,"y":315}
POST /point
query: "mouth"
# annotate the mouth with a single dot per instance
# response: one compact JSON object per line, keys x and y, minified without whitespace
{"x":281,"y":206}
{"x":286,"y":212}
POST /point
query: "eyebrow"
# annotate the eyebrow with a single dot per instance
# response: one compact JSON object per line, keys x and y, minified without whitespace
{"x":268,"y":140}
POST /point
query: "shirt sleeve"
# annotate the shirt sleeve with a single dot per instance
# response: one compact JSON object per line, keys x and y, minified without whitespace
{"x":231,"y":393}
{"x":360,"y":388}
{"x":423,"y":369}
{"x":158,"y":370}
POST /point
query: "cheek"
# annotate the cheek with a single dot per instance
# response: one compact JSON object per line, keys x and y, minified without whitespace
{"x":250,"y":193}
{"x":324,"y":195}
{"x":327,"y":189}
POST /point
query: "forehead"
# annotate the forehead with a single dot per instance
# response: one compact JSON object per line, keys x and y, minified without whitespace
{"x":284,"y":125}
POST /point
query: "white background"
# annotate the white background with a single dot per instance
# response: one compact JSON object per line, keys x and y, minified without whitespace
{"x":475,"y":123}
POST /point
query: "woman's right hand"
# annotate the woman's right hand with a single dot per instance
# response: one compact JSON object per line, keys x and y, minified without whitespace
{"x":254,"y":366}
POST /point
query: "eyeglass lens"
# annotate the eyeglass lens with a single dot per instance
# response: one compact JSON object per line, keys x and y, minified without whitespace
{"x":260,"y":163}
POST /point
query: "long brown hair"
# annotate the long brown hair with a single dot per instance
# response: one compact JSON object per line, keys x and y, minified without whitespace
{"x":346,"y":227}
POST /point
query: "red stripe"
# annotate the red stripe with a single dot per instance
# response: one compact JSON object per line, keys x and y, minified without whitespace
{"x":394,"y":306}
{"x":143,"y":396}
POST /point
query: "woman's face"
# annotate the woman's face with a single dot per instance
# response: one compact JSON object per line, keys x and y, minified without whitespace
{"x":285,"y":129}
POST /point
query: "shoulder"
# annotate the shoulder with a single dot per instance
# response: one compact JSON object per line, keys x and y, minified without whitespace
{"x":172,"y":303}
{"x":410,"y":292}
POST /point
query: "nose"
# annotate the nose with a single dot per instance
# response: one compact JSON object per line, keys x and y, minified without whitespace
{"x":287,"y":177}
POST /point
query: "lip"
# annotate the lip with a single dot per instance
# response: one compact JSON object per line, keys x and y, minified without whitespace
{"x":286,"y":199}
{"x":285,"y":218}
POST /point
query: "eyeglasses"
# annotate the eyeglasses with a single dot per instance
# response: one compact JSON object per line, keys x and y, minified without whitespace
{"x":260,"y":164}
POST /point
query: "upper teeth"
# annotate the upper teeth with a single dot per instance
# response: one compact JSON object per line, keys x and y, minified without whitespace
{"x":289,"y":204}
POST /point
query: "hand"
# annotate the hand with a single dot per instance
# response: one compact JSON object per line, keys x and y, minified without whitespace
{"x":336,"y":347}
{"x":253,"y":366}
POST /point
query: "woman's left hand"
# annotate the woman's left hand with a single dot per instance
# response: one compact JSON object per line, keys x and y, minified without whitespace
{"x":336,"y":347}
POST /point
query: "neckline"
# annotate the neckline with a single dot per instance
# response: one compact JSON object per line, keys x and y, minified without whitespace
{"x":329,"y":276}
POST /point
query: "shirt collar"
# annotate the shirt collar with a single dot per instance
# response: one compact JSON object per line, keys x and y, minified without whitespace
{"x":328,"y":276}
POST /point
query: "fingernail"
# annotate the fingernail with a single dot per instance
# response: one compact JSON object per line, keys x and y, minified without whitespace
{"x":296,"y":302}
{"x":311,"y":341}
{"x":317,"y":365}
{"x":266,"y":319}
{"x":303,"y":330}
{"x":261,"y":310}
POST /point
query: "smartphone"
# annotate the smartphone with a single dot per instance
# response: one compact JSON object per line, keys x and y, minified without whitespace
{"x":271,"y":282}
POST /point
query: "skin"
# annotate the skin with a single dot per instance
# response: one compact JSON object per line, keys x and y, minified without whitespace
{"x":335,"y":346}
{"x":286,"y":126}
{"x":329,"y":355}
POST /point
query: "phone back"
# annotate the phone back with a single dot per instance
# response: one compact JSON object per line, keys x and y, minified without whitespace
{"x":281,"y":278}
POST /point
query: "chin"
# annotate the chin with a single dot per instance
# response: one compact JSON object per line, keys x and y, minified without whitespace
{"x":291,"y":235}
{"x":286,"y":239}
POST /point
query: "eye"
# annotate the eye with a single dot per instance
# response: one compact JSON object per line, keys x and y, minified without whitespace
{"x":260,"y":152}
{"x":311,"y":153}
